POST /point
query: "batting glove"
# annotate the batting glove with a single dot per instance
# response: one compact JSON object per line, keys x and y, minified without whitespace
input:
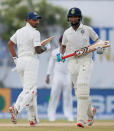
{"x":15,"y":60}
{"x":100,"y":50}
{"x":48,"y":46}
{"x":58,"y":57}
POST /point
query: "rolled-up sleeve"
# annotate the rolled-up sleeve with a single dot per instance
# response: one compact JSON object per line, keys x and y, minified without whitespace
{"x":14,"y":38}
{"x":93,"y":35}
{"x":36,"y":39}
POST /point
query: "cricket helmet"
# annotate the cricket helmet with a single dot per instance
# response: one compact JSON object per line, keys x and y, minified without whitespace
{"x":74,"y":12}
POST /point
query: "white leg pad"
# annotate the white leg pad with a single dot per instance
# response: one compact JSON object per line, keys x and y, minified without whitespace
{"x":24,"y":99}
{"x":90,"y":111}
{"x":83,"y":90}
{"x":32,"y":110}
{"x":82,"y":102}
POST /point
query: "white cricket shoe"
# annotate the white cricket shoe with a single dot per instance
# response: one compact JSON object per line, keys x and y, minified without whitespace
{"x":91,"y":119}
{"x":34,"y":122}
{"x":81,"y":123}
{"x":13,"y":112}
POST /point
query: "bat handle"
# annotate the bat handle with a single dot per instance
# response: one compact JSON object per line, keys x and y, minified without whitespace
{"x":61,"y":58}
{"x":64,"y":57}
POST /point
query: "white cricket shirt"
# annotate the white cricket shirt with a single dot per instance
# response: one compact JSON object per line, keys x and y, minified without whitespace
{"x":26,"y":39}
{"x":74,"y":40}
{"x":57,"y":67}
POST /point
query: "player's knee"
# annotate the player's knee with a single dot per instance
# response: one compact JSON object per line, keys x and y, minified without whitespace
{"x":32,"y":91}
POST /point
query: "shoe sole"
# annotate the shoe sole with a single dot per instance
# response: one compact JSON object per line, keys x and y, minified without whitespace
{"x":12,"y":115}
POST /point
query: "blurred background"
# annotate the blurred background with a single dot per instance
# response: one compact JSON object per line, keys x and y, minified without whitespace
{"x":96,"y":13}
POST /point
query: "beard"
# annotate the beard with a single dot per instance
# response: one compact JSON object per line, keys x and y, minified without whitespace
{"x":35,"y":25}
{"x":77,"y":23}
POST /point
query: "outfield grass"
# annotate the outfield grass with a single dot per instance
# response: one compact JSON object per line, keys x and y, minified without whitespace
{"x":58,"y":125}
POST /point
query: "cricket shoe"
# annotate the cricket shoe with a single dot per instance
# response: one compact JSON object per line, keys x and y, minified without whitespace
{"x":33,"y":122}
{"x":91,"y":119}
{"x":13,"y":112}
{"x":81,"y":123}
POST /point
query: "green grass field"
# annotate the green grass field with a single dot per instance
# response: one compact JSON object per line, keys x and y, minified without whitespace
{"x":59,"y":125}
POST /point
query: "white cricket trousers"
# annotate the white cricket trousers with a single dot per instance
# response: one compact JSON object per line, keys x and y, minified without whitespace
{"x":27,"y":67}
{"x":61,"y":84}
{"x":80,"y":70}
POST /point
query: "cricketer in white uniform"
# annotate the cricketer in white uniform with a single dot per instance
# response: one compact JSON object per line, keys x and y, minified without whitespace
{"x":61,"y":83}
{"x":75,"y":37}
{"x":28,"y":44}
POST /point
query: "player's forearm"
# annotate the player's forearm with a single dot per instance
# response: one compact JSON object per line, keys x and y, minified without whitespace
{"x":12,"y":48}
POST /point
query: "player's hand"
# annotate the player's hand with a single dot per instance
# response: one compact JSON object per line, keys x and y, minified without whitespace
{"x":100,"y":50}
{"x":59,"y":58}
{"x":48,"y":79}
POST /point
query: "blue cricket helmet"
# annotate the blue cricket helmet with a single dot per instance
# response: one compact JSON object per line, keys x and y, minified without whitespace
{"x":74,"y":12}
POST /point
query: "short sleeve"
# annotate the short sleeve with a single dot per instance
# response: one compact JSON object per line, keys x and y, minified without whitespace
{"x":14,"y":38}
{"x":36,"y":39}
{"x":64,"y":40}
{"x":93,"y":35}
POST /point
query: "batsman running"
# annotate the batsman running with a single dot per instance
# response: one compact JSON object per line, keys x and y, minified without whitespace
{"x":75,"y":37}
{"x":28,"y":44}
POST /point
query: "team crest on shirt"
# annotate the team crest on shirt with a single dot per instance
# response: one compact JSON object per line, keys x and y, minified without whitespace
{"x":82,"y":31}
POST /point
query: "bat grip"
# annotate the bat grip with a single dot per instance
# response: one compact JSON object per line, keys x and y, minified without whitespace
{"x":64,"y":57}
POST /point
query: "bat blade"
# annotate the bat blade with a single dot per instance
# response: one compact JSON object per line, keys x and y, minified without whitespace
{"x":88,"y":49}
{"x":44,"y":42}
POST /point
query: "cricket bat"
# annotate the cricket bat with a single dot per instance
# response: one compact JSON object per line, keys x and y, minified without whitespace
{"x":44,"y":42}
{"x":85,"y":50}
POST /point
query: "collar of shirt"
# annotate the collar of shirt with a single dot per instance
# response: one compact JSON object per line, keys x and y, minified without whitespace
{"x":81,"y":26}
{"x":29,"y":26}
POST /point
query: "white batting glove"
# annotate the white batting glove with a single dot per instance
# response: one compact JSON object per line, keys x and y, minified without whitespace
{"x":100,"y":50}
{"x":15,"y":60}
{"x":48,"y":46}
